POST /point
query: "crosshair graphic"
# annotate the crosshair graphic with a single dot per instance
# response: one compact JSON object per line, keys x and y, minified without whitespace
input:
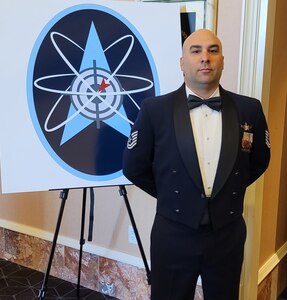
{"x":106,"y":103}
{"x":89,"y":70}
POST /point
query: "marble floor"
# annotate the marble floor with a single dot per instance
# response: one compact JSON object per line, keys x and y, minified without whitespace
{"x":21,"y":283}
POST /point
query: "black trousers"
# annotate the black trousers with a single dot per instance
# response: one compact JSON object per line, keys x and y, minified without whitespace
{"x":179,"y":255}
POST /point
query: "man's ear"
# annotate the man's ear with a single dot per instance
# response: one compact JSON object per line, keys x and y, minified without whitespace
{"x":181,"y":63}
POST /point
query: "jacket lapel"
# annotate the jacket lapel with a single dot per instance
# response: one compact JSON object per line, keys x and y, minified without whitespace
{"x":185,"y":138}
{"x":229,"y":144}
{"x":186,"y":143}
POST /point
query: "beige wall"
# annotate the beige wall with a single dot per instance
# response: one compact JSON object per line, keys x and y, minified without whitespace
{"x":273,"y":247}
{"x":274,"y":216}
{"x":229,"y":31}
{"x":36,"y":214}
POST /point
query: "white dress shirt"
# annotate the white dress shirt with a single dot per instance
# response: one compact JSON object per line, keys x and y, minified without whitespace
{"x":207,"y":131}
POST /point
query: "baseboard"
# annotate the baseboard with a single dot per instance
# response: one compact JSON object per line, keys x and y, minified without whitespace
{"x":69,"y":242}
{"x":271,"y":263}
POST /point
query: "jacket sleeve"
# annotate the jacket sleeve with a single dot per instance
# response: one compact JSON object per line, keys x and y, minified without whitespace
{"x":260,"y":155}
{"x":138,"y":154}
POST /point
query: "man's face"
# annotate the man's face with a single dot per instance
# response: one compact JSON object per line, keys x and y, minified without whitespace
{"x":202,"y":60}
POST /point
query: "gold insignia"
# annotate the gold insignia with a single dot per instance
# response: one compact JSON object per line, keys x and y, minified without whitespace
{"x":246,"y":127}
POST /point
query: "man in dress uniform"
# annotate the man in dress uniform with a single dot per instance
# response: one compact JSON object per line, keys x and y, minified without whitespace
{"x":196,"y":150}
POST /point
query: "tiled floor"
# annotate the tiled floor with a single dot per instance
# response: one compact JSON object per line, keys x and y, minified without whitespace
{"x":20,"y":283}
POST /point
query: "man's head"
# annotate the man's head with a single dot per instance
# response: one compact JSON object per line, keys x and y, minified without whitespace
{"x":202,"y":62}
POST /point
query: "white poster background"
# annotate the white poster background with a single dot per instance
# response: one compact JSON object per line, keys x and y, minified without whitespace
{"x":25,"y":163}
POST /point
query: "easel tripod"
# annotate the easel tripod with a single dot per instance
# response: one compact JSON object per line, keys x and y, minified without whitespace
{"x":63,"y":197}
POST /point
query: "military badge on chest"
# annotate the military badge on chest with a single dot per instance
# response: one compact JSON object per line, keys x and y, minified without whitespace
{"x":247,"y":138}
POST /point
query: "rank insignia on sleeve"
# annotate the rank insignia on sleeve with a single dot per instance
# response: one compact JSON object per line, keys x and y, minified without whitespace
{"x":267,"y":139}
{"x":133,"y":139}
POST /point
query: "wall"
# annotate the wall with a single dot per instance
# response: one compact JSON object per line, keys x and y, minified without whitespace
{"x":274,"y":215}
{"x":274,"y":221}
{"x":36,"y":214}
{"x":229,"y":31}
{"x":277,"y":109}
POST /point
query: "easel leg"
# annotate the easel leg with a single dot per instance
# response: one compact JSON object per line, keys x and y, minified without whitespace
{"x":82,"y":240}
{"x":63,"y":196}
{"x":123,"y":192}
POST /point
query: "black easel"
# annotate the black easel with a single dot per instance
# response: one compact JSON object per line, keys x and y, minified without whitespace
{"x":64,"y":196}
{"x":123,"y":192}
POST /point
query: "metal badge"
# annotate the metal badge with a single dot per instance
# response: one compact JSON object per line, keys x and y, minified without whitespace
{"x":246,"y":127}
{"x":247,"y":138}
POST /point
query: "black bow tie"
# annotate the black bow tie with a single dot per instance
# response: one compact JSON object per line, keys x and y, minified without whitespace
{"x":213,"y":103}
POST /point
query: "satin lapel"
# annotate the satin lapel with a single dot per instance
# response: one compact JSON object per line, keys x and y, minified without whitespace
{"x":229,"y":145}
{"x":185,"y":139}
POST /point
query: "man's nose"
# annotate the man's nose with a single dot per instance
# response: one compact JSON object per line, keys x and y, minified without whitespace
{"x":205,"y":56}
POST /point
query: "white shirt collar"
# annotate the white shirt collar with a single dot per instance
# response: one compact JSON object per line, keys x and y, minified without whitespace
{"x":190,"y":92}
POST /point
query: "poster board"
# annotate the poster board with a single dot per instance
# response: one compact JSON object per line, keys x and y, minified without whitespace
{"x":73,"y":77}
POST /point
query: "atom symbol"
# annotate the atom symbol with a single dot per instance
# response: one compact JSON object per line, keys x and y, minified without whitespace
{"x":95,"y":91}
{"x":89,"y":70}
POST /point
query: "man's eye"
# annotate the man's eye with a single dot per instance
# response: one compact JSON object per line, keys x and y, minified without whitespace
{"x":195,"y":51}
{"x":214,"y":50}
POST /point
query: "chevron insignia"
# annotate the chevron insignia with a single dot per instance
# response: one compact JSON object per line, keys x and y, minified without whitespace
{"x":133,"y":139}
{"x":267,"y":139}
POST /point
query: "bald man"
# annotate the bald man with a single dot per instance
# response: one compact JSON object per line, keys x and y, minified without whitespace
{"x":196,"y":150}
